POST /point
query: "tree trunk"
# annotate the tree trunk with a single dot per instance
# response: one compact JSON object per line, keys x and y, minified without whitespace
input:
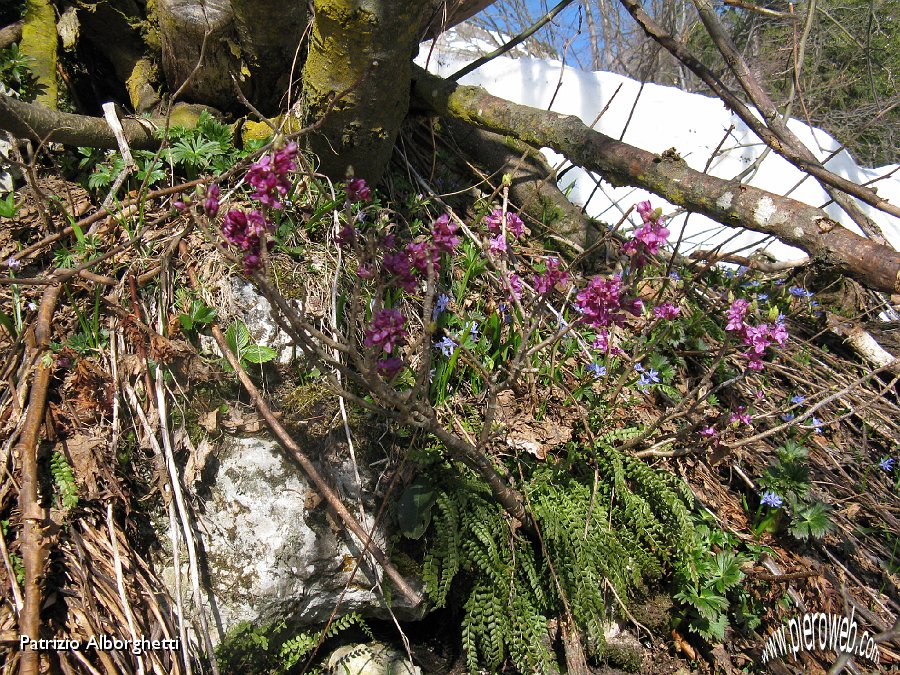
{"x":356,"y":81}
{"x":253,"y":40}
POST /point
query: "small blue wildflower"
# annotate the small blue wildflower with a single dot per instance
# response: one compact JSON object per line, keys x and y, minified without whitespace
{"x":771,"y":499}
{"x":887,"y":463}
{"x":639,"y":367}
{"x":473,"y":331}
{"x":431,"y":374}
{"x":597,"y":370}
{"x":800,"y":292}
{"x":446,"y":345}
{"x":755,"y":283}
{"x":813,"y":303}
{"x":816,"y":424}
{"x":797,"y":399}
{"x":787,"y":417}
{"x":440,"y":304}
{"x":504,"y":312}
{"x":762,"y":296}
{"x":780,"y":282}
{"x":13,"y":264}
{"x":648,"y":378}
{"x":674,"y":276}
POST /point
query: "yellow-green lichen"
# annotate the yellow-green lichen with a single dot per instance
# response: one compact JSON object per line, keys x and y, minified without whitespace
{"x":38,"y":42}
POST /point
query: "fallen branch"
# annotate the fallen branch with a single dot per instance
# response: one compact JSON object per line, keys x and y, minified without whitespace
{"x":34,"y":515}
{"x":39,"y":123}
{"x":668,"y":176}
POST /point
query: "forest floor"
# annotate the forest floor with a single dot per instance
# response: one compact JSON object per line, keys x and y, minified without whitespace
{"x":823,"y":424}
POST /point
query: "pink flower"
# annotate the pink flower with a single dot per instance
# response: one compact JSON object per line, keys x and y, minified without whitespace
{"x":386,"y":330}
{"x":740,"y":417}
{"x":550,"y":279}
{"x":419,"y":255}
{"x":358,"y":190}
{"x":389,"y":367}
{"x":443,"y":232}
{"x":736,"y":315}
{"x":600,"y":302}
{"x":269,"y":176}
{"x":497,"y":244}
{"x":365,"y":272}
{"x":648,"y":237}
{"x":666,"y":311}
{"x":515,"y":285}
{"x":211,"y":203}
{"x":514,"y":224}
{"x":398,"y":264}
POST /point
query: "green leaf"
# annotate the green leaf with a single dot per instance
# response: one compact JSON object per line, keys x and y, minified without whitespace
{"x":728,"y":570}
{"x":258,"y":354}
{"x":414,"y":508}
{"x":811,"y":520}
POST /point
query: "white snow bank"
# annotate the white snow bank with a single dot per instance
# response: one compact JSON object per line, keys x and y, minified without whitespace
{"x":657,"y":118}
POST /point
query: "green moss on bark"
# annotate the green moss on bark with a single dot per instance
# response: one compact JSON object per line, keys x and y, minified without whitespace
{"x":39,"y":39}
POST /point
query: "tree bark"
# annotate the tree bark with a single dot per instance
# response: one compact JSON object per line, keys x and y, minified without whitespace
{"x":39,"y":40}
{"x":361,"y":50}
{"x":40,"y":123}
{"x":727,"y":202}
{"x":242,"y":37}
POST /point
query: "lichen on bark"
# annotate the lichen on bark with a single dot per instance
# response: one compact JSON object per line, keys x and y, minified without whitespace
{"x":39,"y":40}
{"x":363,"y":49}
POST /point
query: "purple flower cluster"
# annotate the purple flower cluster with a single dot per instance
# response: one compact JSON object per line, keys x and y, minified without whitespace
{"x":739,"y":417}
{"x":387,"y":330}
{"x":243,"y":230}
{"x":601,"y":302}
{"x":211,"y":203}
{"x":514,"y":224}
{"x":666,"y":311}
{"x":759,"y":337}
{"x":495,"y":223}
{"x":443,"y":233}
{"x":415,"y":257}
{"x":269,"y":176}
{"x":648,"y":237}
{"x":771,"y":499}
{"x":552,"y":278}
{"x":358,"y":190}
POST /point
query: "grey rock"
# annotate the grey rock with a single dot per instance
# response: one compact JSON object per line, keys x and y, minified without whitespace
{"x":270,"y":549}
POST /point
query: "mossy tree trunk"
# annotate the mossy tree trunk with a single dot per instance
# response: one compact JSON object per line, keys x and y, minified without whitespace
{"x":360,"y":51}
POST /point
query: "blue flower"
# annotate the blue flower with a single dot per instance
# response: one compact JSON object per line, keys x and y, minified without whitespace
{"x":446,"y":345}
{"x":473,"y":331}
{"x":816,"y":424}
{"x":639,"y":368}
{"x":787,"y":417}
{"x":440,"y":304}
{"x":754,"y":284}
{"x":800,"y":292}
{"x":771,"y":499}
{"x":887,"y":463}
{"x":674,"y":276}
{"x":798,"y":399}
{"x":597,"y":370}
{"x":648,"y":378}
{"x":762,"y":296}
{"x":779,"y":282}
